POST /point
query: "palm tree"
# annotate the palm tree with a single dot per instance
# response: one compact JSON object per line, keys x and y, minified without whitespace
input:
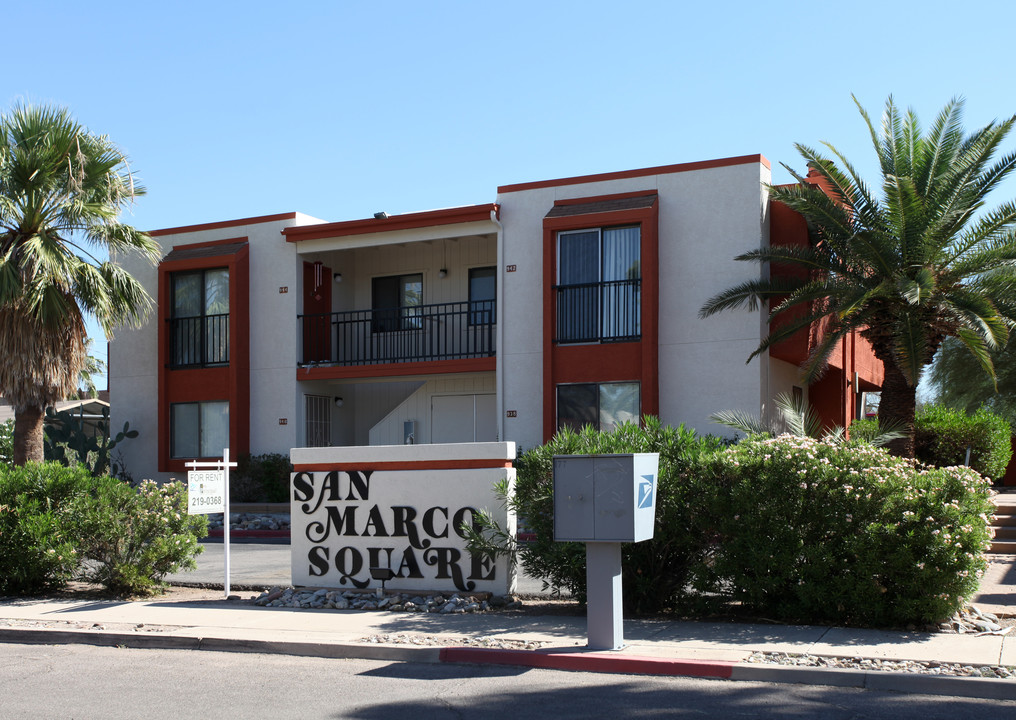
{"x":61,"y":191}
{"x":798,"y":418}
{"x":922,"y":261}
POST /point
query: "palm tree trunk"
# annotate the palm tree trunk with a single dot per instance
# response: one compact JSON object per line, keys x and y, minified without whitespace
{"x":28,"y":435}
{"x":898,"y":407}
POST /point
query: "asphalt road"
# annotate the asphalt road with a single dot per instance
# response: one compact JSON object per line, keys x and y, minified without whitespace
{"x":267,"y":563}
{"x":80,"y":681}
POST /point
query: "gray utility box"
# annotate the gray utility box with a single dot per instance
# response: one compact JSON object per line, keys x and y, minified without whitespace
{"x":605,"y":498}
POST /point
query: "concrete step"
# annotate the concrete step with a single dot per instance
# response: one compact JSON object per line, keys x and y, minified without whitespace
{"x":1003,"y":547}
{"x":1004,"y":533}
{"x":1003,"y":520}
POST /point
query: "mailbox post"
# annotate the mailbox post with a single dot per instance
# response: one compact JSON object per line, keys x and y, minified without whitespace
{"x":603,"y":501}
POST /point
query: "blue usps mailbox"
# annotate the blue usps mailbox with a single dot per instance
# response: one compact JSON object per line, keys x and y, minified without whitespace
{"x":603,"y":501}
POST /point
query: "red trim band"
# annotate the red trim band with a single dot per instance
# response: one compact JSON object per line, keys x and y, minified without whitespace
{"x":423,"y":367}
{"x":223,"y":224}
{"x":406,"y":465}
{"x":368,"y":226}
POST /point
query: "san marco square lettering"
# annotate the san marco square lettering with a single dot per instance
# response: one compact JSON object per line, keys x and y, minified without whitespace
{"x":429,"y":535}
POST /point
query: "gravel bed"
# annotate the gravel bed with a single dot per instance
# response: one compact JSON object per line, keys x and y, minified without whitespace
{"x":484,"y":641}
{"x":329,"y":599}
{"x":917,"y":667}
{"x":251,"y":521}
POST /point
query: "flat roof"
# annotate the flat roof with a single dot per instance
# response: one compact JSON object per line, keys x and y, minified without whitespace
{"x":406,"y":221}
{"x":223,"y":224}
{"x":641,"y":172}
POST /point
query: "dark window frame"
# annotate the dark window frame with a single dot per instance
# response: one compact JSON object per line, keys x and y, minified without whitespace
{"x":596,"y":409}
{"x":172,"y":427}
{"x":204,"y":323}
{"x":597,"y":310}
{"x":398,"y":316}
{"x":481,"y":311}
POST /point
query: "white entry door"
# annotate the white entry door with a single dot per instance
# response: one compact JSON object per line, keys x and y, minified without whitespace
{"x":463,"y":418}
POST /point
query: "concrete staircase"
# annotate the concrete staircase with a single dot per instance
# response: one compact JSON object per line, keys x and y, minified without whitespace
{"x":1004,"y":525}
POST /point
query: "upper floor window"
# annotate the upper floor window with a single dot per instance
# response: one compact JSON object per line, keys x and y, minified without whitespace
{"x":482,"y":295}
{"x":396,"y":302}
{"x":599,"y":285}
{"x":199,"y":324}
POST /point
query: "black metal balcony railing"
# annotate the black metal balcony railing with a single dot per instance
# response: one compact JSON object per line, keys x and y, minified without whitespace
{"x":199,"y":341}
{"x":599,"y":312}
{"x":441,"y":331}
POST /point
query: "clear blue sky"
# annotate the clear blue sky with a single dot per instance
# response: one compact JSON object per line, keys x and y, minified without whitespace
{"x":340,"y":109}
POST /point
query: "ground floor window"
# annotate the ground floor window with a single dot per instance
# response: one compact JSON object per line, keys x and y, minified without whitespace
{"x":318,"y":420}
{"x":602,"y":405}
{"x":198,"y":429}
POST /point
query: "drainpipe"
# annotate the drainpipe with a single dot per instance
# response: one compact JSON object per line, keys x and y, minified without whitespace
{"x":499,"y":335}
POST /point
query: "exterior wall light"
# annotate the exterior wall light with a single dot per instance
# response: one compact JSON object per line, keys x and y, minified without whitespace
{"x":443,"y":272}
{"x":339,"y":402}
{"x":337,"y":277}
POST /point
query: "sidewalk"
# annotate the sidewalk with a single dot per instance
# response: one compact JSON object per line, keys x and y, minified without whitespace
{"x":702,"y":649}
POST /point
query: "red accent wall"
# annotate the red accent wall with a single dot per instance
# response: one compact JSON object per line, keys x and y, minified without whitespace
{"x":834,"y":396}
{"x":230,"y":383}
{"x":606,"y":362}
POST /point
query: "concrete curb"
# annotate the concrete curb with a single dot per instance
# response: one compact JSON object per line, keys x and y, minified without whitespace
{"x":590,"y":662}
{"x":579,"y":661}
{"x":164,"y":641}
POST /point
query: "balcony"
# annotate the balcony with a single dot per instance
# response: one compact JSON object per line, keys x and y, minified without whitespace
{"x":599,"y":312}
{"x":201,"y":341}
{"x":419,"y":333}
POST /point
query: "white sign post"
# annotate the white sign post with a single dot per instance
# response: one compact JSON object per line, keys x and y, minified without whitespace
{"x":208,"y":492}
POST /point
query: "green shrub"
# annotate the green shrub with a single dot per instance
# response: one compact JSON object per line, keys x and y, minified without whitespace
{"x":657,"y":574}
{"x":37,"y":549}
{"x":260,"y":478}
{"x":943,"y":435}
{"x":816,"y":532}
{"x":864,"y":430}
{"x":132,"y":537}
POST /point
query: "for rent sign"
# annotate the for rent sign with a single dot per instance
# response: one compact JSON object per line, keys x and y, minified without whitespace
{"x":400,"y":508}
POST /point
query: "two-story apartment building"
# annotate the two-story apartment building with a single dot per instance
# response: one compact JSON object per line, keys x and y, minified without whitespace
{"x":565,"y":302}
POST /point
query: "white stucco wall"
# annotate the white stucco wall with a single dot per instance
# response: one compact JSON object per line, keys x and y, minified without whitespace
{"x":706,"y":218}
{"x":133,"y":354}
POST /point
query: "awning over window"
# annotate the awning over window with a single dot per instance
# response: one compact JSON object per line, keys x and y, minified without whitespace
{"x":193,"y":253}
{"x":639,"y":202}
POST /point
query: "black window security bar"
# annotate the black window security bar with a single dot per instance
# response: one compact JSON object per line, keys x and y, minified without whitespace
{"x":599,"y":312}
{"x":440,"y":331}
{"x":199,"y":341}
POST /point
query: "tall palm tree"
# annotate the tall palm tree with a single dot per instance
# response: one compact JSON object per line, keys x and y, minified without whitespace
{"x":921,"y":261}
{"x":61,"y":192}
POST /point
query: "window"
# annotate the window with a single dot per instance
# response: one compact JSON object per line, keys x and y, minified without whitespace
{"x":198,"y":429}
{"x":482,"y":295}
{"x":199,"y":334}
{"x":599,"y":285}
{"x":318,"y":424}
{"x":602,"y":405}
{"x":397,"y":301}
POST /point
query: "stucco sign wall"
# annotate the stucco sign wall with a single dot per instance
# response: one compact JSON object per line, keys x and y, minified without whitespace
{"x":399,"y":507}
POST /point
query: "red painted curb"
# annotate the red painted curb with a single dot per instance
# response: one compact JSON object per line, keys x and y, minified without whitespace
{"x":218,"y":532}
{"x":590,"y":662}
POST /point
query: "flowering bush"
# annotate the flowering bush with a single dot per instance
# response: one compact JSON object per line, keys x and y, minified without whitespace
{"x":134,"y":538}
{"x":829,"y":533}
{"x":36,"y":551}
{"x":658,"y":574}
